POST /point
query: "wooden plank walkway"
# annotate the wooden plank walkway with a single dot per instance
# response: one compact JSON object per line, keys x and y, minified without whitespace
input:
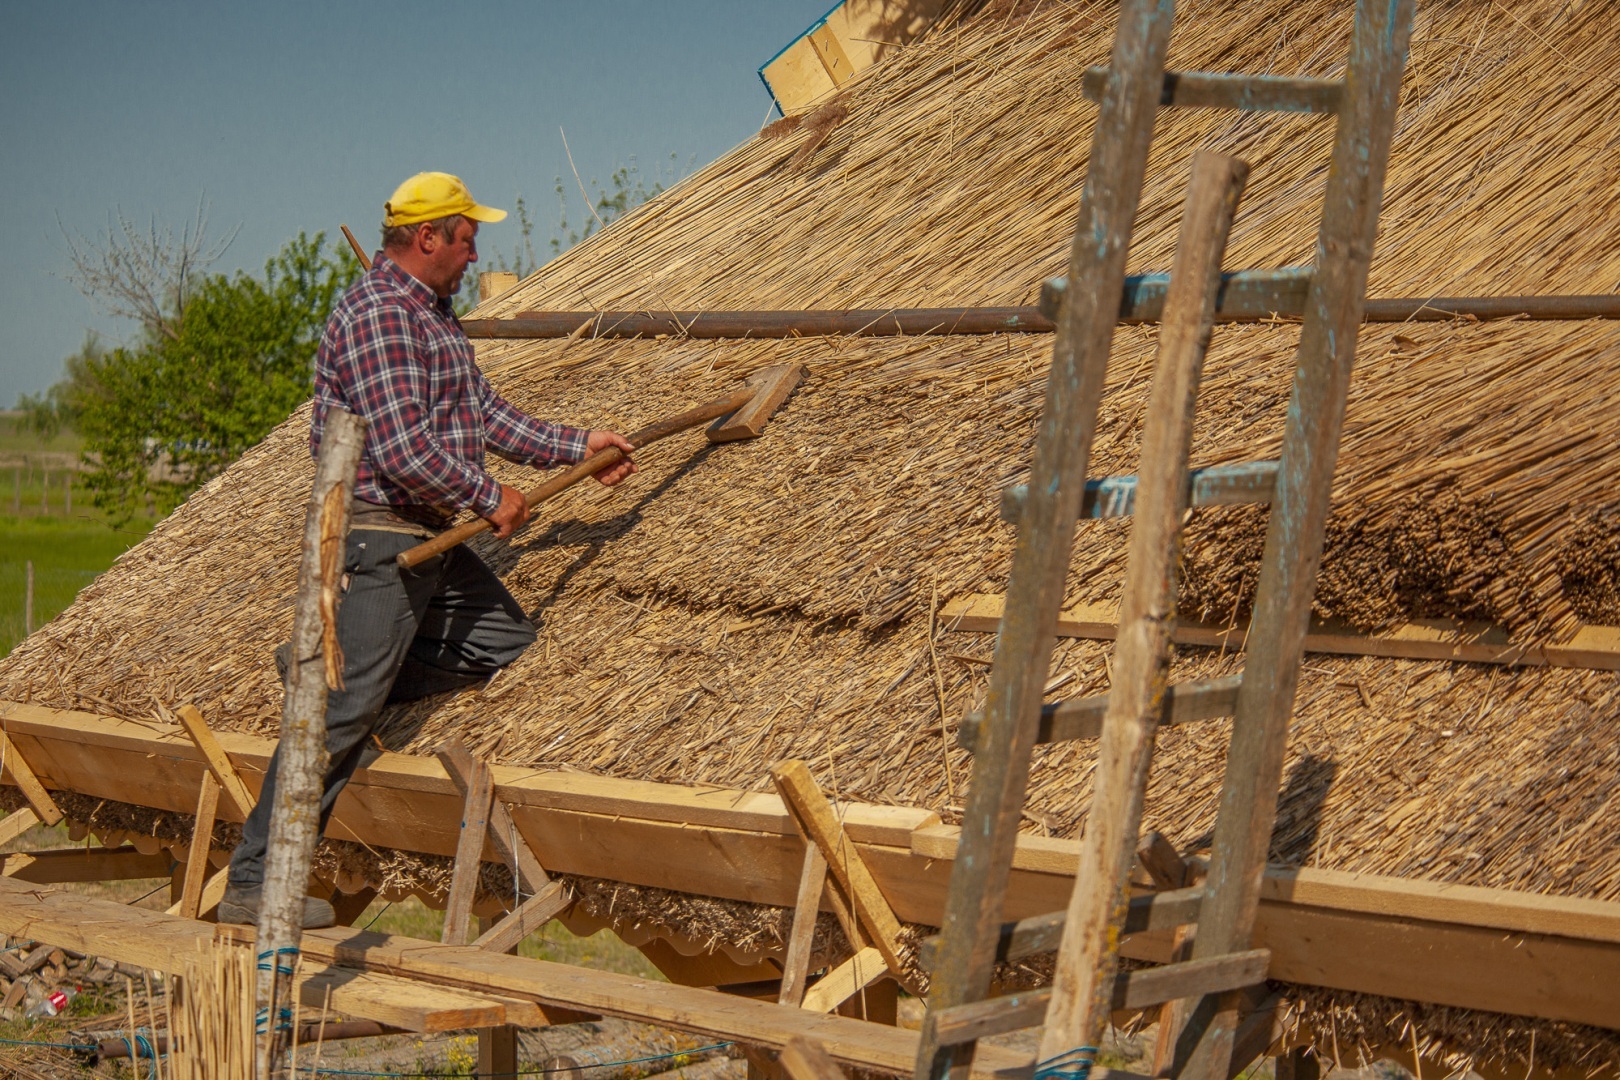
{"x":427,"y":986}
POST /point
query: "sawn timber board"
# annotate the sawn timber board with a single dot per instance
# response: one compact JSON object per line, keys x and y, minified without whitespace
{"x":1491,"y":950}
{"x":1593,"y":647}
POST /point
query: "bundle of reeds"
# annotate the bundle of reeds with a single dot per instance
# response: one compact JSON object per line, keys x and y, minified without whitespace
{"x":211,"y":1016}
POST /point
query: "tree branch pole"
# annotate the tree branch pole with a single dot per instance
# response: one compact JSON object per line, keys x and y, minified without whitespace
{"x":316,"y":666}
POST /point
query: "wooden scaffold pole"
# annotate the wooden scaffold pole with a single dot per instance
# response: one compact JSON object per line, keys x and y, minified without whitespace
{"x":295,"y":819}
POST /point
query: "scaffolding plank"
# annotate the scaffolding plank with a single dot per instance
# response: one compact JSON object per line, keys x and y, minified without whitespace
{"x":152,"y":939}
{"x":758,"y":1023}
{"x":84,"y":864}
{"x":1519,"y":940}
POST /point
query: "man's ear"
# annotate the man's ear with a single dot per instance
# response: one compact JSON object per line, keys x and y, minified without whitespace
{"x":426,"y":238}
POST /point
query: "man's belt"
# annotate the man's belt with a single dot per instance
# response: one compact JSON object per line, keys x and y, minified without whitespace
{"x":423,"y":521}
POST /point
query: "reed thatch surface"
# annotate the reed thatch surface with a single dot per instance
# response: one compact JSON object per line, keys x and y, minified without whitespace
{"x":735,"y":605}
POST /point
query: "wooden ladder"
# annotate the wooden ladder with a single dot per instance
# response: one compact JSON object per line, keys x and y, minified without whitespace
{"x":1214,"y":961}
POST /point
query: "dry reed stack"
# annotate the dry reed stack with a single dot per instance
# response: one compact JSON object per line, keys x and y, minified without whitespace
{"x":726,"y":610}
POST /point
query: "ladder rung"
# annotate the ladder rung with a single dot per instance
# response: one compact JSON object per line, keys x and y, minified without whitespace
{"x":1041,"y":933}
{"x":1081,"y":718}
{"x":1250,"y":93}
{"x":1115,"y":496}
{"x":1132,"y":990}
{"x":1245,"y":294}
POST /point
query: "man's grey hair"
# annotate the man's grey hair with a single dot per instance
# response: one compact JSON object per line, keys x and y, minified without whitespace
{"x":398,"y":236}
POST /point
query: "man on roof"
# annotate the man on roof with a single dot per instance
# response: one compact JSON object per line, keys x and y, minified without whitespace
{"x":394,"y":354}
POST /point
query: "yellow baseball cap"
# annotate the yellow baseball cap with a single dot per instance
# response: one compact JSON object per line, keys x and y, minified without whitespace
{"x":429,"y":196}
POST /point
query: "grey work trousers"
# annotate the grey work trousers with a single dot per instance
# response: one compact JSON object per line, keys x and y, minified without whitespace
{"x":405,"y":634}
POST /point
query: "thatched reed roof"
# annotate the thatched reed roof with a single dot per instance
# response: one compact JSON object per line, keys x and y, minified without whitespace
{"x":736,"y":605}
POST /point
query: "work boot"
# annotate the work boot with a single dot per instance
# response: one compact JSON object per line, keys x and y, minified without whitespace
{"x":240,"y":905}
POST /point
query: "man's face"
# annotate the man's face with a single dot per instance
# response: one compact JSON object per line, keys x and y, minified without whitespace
{"x":449,"y":258}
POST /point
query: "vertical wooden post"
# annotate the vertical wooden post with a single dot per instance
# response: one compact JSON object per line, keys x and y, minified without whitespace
{"x":469,"y":849}
{"x":295,"y":818}
{"x":1299,"y":510}
{"x":806,"y":906}
{"x":1083,"y":984}
{"x":1023,"y":655}
{"x":190,"y":898}
{"x":28,"y":598}
{"x":497,"y":1046}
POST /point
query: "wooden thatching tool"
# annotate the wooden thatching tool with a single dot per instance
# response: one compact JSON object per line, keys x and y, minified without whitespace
{"x":748,"y":408}
{"x":359,"y":252}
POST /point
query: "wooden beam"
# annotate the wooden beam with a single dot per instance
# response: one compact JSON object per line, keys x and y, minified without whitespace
{"x":497,"y":1051}
{"x":213,"y":891}
{"x":16,"y":823}
{"x":1107,"y":497}
{"x":853,"y":1042}
{"x":1082,"y":718}
{"x":464,"y":877}
{"x":846,"y":980}
{"x":65,"y":865}
{"x":1250,"y":93}
{"x":525,"y":919}
{"x":348,"y":907}
{"x":405,"y":795}
{"x":1132,"y":990}
{"x":219,"y":762}
{"x":1596,"y":648}
{"x":201,"y":845}
{"x":807,"y":1059}
{"x":815,"y":815}
{"x":801,"y":938}
{"x":508,"y":843}
{"x":1144,"y":914}
{"x":1519,"y":940}
{"x":152,"y":939}
{"x":17,"y":767}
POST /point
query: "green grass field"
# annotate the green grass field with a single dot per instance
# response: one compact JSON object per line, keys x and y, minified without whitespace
{"x":67,"y":553}
{"x":18,"y":440}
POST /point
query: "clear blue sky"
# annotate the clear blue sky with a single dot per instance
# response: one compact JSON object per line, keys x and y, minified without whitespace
{"x":292,"y":116}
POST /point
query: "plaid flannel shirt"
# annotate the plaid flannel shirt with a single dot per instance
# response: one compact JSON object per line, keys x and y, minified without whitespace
{"x":394,"y":354}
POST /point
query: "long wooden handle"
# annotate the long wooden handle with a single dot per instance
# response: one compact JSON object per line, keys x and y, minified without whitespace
{"x":359,"y":252}
{"x":575,"y":473}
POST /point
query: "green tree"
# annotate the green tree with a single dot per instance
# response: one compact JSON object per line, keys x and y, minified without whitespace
{"x":220,"y":363}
